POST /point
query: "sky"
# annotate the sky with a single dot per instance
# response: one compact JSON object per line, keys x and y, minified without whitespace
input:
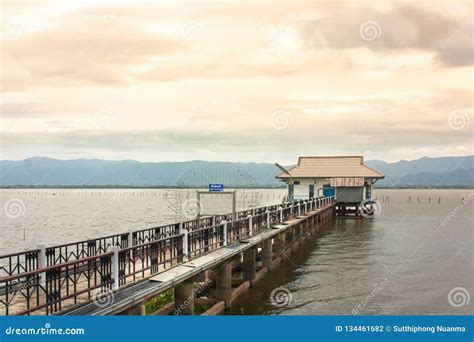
{"x":240,"y":81}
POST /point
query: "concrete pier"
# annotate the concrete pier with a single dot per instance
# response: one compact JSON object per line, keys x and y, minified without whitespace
{"x":228,"y":270}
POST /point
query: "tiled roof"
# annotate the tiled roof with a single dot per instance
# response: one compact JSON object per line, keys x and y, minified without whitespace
{"x":351,"y":166}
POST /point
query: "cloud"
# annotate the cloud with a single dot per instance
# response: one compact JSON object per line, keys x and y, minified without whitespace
{"x":317,"y":127}
{"x":173,"y":98}
{"x":399,"y":27}
{"x":81,"y":50}
{"x":135,"y":43}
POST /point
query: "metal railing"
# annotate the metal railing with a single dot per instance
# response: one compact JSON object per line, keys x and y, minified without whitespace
{"x":141,"y":261}
{"x":50,"y":289}
{"x":47,"y":280}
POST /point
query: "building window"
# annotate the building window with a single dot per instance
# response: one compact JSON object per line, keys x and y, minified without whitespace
{"x":296,"y":182}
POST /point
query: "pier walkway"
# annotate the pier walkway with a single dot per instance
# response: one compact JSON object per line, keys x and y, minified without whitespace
{"x":117,"y":274}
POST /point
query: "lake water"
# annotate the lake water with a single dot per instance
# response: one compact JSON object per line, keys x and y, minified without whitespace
{"x":59,"y":216}
{"x":405,"y":261}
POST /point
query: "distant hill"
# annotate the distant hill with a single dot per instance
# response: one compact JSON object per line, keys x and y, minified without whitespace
{"x":42,"y":171}
{"x":442,"y":171}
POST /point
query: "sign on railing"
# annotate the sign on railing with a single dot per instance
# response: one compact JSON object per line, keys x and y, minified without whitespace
{"x":216,"y":187}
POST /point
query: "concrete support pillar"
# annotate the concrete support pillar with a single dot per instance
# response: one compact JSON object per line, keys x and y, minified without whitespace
{"x":267,"y":253}
{"x":279,"y":244}
{"x":223,"y":276}
{"x":184,"y":298}
{"x":250,"y":264}
{"x":289,"y":236}
{"x":136,"y":310}
{"x":201,"y":277}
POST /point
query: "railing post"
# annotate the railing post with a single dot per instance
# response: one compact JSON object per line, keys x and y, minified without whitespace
{"x":115,"y":266}
{"x":281,"y":214}
{"x":268,"y":219}
{"x":299,"y":209}
{"x":130,"y":239}
{"x":185,"y":245}
{"x":305,"y":206}
{"x":185,"y":242}
{"x":42,"y":261}
{"x":225,"y":232}
{"x":250,"y":225}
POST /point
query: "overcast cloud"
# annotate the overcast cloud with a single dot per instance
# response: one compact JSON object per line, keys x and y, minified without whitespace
{"x":233,"y":81}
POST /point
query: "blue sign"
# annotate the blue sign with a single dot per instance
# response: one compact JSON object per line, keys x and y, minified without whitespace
{"x":216,"y":187}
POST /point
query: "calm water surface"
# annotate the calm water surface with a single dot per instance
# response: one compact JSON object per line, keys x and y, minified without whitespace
{"x":405,"y":261}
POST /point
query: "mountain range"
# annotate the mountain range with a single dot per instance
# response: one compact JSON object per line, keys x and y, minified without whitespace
{"x":48,"y":172}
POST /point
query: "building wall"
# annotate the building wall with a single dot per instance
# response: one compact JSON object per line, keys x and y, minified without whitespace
{"x":301,"y":191}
